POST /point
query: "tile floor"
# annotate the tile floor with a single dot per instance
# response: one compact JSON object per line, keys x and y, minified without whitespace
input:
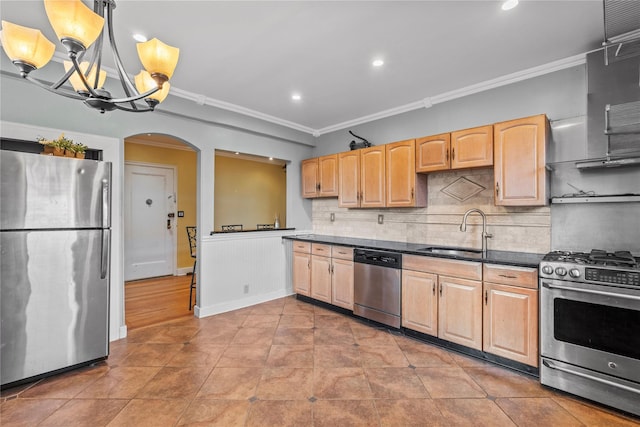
{"x":285,"y":363}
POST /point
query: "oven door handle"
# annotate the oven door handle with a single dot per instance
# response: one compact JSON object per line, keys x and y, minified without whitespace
{"x":551,"y":365}
{"x":590,"y":291}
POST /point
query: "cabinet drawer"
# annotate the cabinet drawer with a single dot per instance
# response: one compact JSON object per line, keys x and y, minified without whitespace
{"x":342,"y":252}
{"x":300,"y":246}
{"x":510,"y":275}
{"x":448,"y":267}
{"x":321,"y":249}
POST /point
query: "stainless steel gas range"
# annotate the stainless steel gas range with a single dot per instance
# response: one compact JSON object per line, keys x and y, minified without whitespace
{"x":590,"y":326}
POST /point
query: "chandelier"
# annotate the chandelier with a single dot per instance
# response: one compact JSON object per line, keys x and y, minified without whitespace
{"x":82,"y":32}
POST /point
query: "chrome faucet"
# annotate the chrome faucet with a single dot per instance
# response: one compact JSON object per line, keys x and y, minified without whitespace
{"x":485,"y":235}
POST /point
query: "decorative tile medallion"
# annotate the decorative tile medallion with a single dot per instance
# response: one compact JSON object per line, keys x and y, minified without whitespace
{"x":462,"y":189}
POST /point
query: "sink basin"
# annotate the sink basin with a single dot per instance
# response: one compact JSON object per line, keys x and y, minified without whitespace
{"x":467,"y":253}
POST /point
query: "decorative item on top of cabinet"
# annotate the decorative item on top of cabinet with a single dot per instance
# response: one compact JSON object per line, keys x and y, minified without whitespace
{"x":510,"y":313}
{"x":404,"y":188}
{"x":320,"y":176}
{"x":302,"y":267}
{"x":519,"y":161}
{"x":461,"y":149}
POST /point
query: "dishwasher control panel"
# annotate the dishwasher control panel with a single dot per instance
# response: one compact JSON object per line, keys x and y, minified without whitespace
{"x":382,"y":258}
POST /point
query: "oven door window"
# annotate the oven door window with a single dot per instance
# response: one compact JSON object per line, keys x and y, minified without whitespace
{"x":600,"y":327}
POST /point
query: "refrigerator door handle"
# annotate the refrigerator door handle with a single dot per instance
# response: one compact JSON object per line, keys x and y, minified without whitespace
{"x":106,"y":220}
{"x":105,"y":253}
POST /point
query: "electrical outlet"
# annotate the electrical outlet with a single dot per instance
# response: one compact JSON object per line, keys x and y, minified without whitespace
{"x":380,"y":219}
{"x":246,"y":289}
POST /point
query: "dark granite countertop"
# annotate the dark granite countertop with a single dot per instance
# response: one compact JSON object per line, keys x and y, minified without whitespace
{"x":521,"y":259}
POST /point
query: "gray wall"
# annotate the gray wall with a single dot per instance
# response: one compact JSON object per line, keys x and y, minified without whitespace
{"x":562,"y":96}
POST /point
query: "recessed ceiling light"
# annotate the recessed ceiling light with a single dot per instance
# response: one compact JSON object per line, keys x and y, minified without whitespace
{"x":270,"y":158}
{"x":509,"y":4}
{"x":237,"y":153}
{"x":296,"y":97}
{"x":139,"y":38}
{"x":377,"y":63}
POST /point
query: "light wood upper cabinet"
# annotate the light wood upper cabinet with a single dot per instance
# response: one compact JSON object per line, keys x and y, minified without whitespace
{"x":472,"y":148}
{"x":468,"y":148}
{"x":320,"y":176}
{"x":349,"y":179}
{"x":310,"y":178}
{"x":420,"y":301}
{"x":372,"y":177}
{"x":404,"y":188}
{"x":432,"y":153}
{"x":519,"y":164}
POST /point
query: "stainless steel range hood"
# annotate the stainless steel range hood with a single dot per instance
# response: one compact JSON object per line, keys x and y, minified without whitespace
{"x":613,"y":99}
{"x":613,"y":112}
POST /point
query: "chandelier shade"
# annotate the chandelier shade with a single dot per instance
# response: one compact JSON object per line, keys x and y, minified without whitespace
{"x":145,"y":83}
{"x":71,"y":19}
{"x":26,"y":45}
{"x":158,"y":58}
{"x":84,"y":33}
{"x":76,"y":80}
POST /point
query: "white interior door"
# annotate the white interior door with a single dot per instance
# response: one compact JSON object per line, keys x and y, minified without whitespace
{"x":150,"y":234}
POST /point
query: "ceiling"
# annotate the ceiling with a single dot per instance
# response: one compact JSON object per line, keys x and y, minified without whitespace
{"x":251,"y":56}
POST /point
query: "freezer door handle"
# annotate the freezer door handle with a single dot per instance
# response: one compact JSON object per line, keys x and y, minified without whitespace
{"x":106,"y":220}
{"x":105,"y":253}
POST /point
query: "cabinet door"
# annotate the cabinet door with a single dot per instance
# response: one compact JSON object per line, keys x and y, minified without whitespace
{"x":519,"y":163}
{"x":328,"y":175}
{"x":372,"y":177}
{"x":401,"y":175}
{"x":420,"y":301}
{"x":321,"y":278}
{"x":302,"y":273}
{"x":310,"y":178}
{"x":349,"y":179}
{"x":342,"y":283}
{"x":472,"y":147}
{"x":460,"y":311}
{"x":432,"y":153}
{"x":511,"y":322}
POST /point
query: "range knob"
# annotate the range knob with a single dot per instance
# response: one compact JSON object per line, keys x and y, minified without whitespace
{"x":547,"y":269}
{"x":561,"y":271}
{"x":574,"y":272}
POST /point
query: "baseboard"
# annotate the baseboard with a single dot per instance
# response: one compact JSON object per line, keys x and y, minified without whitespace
{"x":240,"y":303}
{"x":184,"y":271}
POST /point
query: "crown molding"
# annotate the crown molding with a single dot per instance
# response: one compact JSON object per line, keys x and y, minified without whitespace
{"x":465,"y":91}
{"x":426,"y":102}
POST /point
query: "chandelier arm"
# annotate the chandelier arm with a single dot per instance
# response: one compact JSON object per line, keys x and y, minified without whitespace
{"x":134,"y":97}
{"x":57,"y":91}
{"x":136,"y":110}
{"x":86,"y":84}
{"x":127,"y":85}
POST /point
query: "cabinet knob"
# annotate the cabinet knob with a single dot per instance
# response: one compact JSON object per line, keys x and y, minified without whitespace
{"x":486,"y":297}
{"x":453,"y":154}
{"x":497,"y":189}
{"x":446,"y":155}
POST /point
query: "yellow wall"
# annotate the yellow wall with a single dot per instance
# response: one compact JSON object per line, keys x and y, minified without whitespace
{"x":249,"y":193}
{"x":185,"y":163}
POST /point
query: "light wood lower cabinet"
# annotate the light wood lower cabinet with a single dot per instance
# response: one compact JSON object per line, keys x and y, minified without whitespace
{"x":420,"y":301}
{"x":460,"y":311}
{"x":324,"y":272}
{"x":510,"y":319}
{"x":321,"y":272}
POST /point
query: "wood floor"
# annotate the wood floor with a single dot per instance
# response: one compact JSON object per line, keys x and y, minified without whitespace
{"x":157,"y":300}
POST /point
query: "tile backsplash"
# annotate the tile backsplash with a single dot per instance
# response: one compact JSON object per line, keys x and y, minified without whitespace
{"x":521,"y":229}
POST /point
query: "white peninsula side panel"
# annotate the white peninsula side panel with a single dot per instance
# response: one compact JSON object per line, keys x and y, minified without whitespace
{"x":238,"y":270}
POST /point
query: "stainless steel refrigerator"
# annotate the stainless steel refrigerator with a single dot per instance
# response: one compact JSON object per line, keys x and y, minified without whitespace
{"x":55,"y":234}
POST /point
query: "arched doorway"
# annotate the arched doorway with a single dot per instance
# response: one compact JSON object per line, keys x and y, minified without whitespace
{"x":160,"y":201}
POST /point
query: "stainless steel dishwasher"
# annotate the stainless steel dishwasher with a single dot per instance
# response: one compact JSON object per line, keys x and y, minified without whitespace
{"x":376,"y":293}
